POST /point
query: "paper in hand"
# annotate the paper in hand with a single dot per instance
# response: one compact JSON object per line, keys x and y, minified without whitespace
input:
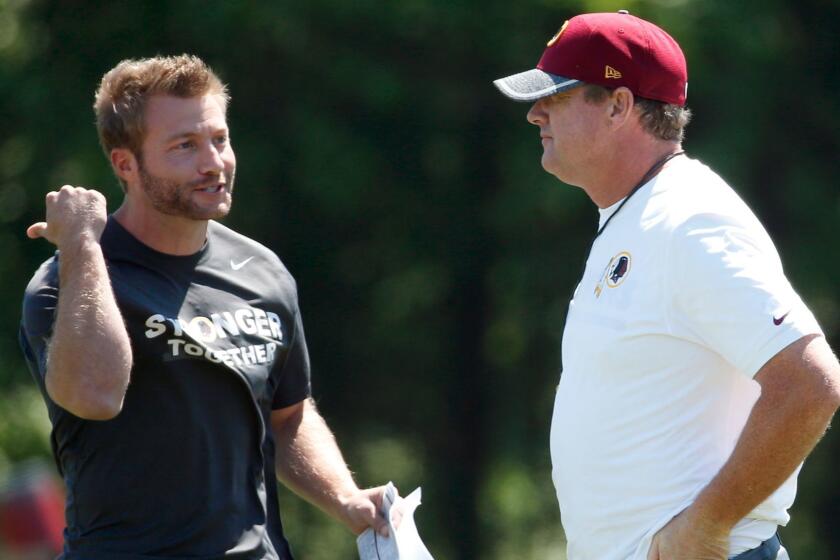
{"x":402,"y":543}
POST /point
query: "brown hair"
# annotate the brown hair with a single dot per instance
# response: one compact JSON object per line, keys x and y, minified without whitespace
{"x":665,"y":121}
{"x":125,"y":90}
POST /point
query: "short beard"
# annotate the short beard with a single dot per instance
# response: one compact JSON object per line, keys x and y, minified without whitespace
{"x":174,"y":199}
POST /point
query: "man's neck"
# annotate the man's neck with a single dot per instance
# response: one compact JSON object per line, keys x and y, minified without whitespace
{"x":624,"y":169}
{"x":173,"y":235}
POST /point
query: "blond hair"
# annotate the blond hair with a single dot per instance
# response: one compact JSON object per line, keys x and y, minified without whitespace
{"x":125,"y":90}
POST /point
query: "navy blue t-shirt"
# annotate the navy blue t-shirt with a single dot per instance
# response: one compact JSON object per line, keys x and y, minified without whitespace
{"x":186,"y":470}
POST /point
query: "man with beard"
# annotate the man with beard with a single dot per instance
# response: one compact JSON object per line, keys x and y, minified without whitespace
{"x":170,"y":349}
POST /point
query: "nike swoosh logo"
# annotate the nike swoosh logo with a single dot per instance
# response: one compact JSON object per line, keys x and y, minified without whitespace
{"x":780,"y":320}
{"x":237,"y":266}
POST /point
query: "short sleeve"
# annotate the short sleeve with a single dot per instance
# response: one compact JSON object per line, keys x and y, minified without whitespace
{"x":293,"y":384}
{"x":38,"y":314}
{"x":729,"y":292}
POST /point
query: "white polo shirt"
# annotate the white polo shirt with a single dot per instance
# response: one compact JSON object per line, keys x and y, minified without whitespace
{"x":682,"y":301}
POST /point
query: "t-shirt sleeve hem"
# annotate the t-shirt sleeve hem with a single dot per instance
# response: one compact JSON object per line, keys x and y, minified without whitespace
{"x":778,"y":343}
{"x":289,"y":400}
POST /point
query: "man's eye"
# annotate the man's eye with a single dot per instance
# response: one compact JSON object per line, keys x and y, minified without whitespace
{"x":184,"y":145}
{"x":221,"y":140}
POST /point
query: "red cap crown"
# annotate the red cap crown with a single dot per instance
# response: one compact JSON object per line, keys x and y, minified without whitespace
{"x":618,"y":49}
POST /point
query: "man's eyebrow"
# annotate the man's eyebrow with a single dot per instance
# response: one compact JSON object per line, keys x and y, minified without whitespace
{"x":189,"y":133}
{"x":183,"y":134}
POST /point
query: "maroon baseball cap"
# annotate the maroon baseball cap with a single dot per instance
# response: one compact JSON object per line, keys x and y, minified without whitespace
{"x":610,"y":50}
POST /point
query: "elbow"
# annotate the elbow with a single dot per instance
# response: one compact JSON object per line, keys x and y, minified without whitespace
{"x":834,"y":398}
{"x":86,"y":399}
{"x":832,"y":392}
{"x":825,"y":403}
{"x":823,"y":360}
{"x":105,"y":407}
{"x":96,"y":406}
{"x":98,"y":411}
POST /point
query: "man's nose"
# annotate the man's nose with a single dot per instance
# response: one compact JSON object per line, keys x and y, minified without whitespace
{"x":211,"y":160}
{"x":536,"y":114}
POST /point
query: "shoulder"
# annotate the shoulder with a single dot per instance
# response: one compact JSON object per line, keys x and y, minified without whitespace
{"x":239,"y":247}
{"x":44,"y":278}
{"x":689,"y":195}
{"x":41,"y":296}
{"x":238,"y":253}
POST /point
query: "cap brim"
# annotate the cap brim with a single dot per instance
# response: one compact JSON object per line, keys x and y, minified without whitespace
{"x":533,"y":84}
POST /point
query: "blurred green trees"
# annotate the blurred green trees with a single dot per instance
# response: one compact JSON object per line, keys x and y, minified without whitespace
{"x":434,"y":256}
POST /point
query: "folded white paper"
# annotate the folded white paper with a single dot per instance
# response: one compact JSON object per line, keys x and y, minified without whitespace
{"x":402,"y":543}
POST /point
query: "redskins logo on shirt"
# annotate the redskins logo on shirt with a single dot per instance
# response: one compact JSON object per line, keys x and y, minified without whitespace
{"x":615,"y":272}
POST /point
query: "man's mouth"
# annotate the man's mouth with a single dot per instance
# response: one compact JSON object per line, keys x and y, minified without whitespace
{"x":212,"y":189}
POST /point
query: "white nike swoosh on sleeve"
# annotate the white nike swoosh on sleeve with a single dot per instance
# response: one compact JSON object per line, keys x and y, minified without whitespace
{"x":237,"y":266}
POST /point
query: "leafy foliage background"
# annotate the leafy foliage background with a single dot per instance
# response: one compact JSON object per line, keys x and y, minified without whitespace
{"x":434,"y":256}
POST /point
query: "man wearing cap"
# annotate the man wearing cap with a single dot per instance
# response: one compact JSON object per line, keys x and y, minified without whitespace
{"x":695,"y":381}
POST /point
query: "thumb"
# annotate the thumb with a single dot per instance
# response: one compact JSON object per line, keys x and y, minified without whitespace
{"x":36,"y":230}
{"x":380,"y":525}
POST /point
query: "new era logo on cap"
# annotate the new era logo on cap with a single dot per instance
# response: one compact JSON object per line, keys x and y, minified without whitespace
{"x":611,"y":73}
{"x":608,"y":49}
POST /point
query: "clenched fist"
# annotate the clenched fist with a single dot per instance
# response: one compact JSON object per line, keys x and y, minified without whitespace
{"x":74,"y":215}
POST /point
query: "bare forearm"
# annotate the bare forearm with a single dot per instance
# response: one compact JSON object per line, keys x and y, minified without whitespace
{"x":89,"y":359}
{"x":800,"y":393}
{"x":310,"y":463}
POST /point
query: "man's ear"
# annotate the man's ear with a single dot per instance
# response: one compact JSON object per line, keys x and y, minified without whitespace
{"x":125,"y":165}
{"x":620,"y":106}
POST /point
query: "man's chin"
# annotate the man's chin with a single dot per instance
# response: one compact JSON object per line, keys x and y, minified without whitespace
{"x":199,"y":214}
{"x":217,"y":213}
{"x":549,"y":165}
{"x":559,"y":173}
